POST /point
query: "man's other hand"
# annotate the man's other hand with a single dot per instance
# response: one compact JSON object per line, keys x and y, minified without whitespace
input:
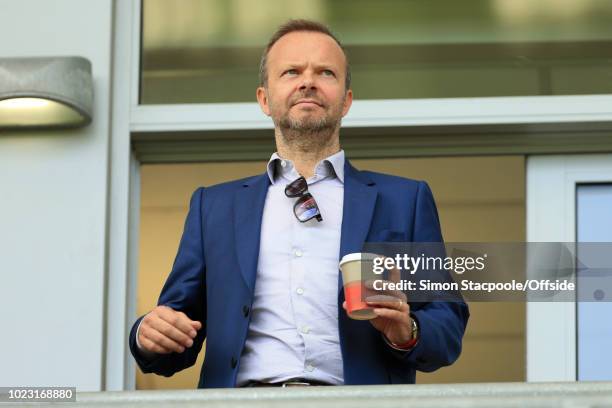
{"x":164,"y":330}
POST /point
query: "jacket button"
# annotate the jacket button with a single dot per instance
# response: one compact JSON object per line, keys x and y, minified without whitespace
{"x":245,"y":310}
{"x":234,"y":362}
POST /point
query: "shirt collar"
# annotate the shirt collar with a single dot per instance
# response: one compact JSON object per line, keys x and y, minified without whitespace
{"x":331,"y":166}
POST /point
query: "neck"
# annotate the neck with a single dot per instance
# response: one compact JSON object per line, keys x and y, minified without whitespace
{"x":305,"y":152}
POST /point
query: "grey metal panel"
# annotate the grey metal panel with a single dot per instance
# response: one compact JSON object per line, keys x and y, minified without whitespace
{"x":381,"y":142}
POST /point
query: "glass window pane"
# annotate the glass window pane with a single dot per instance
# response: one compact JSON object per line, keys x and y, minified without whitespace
{"x":594,"y":224}
{"x":206,"y":51}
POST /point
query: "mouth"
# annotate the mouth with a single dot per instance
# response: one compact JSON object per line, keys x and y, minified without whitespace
{"x":307,"y":102}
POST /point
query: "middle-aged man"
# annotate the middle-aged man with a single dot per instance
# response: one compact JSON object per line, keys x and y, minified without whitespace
{"x":256,"y":273}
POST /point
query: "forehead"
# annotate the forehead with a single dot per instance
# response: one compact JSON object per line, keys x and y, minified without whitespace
{"x":306,"y":47}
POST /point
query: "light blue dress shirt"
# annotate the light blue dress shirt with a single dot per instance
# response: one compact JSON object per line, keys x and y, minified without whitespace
{"x":294,"y":323}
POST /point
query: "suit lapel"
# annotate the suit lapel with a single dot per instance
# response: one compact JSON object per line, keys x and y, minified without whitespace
{"x":358,"y":208}
{"x":249,"y":204}
{"x":359,"y":201}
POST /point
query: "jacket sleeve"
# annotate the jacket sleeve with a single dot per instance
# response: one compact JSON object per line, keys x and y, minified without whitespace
{"x":441,"y":324}
{"x":185,"y":291}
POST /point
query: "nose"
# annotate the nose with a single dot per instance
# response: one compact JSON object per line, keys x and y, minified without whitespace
{"x":308,"y":81}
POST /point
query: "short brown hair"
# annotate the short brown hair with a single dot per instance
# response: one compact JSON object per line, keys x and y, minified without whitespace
{"x":299,"y":25}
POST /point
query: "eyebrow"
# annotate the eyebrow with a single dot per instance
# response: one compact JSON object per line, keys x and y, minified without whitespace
{"x":292,"y":65}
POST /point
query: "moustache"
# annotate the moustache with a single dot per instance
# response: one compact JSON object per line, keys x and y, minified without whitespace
{"x":305,"y":97}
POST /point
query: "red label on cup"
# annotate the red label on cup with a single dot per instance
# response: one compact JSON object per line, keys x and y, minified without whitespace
{"x":352,"y":294}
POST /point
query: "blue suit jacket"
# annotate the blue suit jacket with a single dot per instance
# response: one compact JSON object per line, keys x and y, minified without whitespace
{"x":214,"y":273}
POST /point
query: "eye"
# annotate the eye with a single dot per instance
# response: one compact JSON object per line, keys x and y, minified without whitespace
{"x":290,"y":72}
{"x":328,"y":72}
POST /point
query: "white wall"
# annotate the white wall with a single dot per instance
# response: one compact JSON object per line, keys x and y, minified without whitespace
{"x":53,"y":202}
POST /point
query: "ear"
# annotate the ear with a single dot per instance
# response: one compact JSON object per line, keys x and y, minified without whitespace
{"x":262,"y":99}
{"x":348,"y":101}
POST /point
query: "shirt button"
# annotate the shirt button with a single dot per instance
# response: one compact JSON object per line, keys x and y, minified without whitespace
{"x":283,"y":163}
{"x":310,"y":368}
{"x":305,"y":329}
{"x":300,"y":291}
{"x":298,"y":253}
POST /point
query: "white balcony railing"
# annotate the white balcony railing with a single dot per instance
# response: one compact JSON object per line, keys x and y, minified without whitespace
{"x":568,"y":394}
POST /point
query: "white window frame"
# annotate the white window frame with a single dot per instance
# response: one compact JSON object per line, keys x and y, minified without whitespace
{"x":385,"y":112}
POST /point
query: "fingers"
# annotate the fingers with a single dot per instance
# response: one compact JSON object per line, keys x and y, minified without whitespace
{"x":151,"y":346}
{"x":164,"y":330}
{"x":391,"y":314}
{"x":394,"y":275}
{"x":152,"y":340}
{"x":178,"y":320}
{"x":176,"y":325}
{"x":382,"y":294}
{"x":400,"y":306}
{"x":396,"y":311}
{"x":174,"y":334}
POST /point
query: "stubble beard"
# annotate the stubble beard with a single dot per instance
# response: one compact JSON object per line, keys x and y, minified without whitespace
{"x":308,"y":133}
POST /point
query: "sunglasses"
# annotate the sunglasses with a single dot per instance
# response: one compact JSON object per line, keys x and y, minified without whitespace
{"x":306,"y":208}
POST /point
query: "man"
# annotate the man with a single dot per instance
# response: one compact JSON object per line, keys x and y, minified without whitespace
{"x":256,"y":272}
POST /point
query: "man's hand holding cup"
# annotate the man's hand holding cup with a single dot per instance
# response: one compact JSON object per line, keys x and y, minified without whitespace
{"x":387,"y":310}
